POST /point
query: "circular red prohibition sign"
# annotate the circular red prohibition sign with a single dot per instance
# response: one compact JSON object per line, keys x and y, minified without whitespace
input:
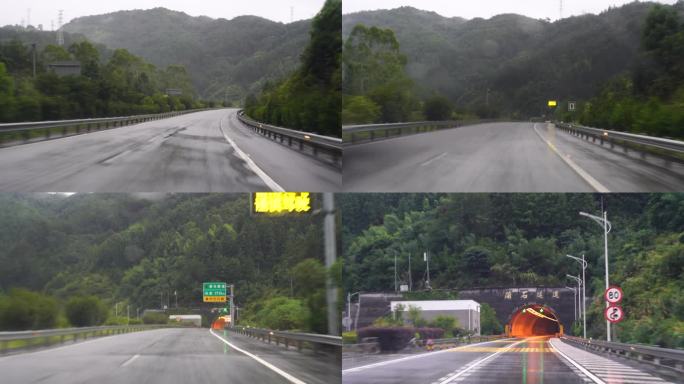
{"x":614,"y":314}
{"x":613,"y":294}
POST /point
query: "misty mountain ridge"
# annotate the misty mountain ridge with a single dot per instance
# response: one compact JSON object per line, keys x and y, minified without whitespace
{"x":227,"y":59}
{"x":522,"y":61}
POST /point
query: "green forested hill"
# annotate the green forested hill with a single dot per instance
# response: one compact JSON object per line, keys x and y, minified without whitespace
{"x":132,"y":248}
{"x":523,"y":62}
{"x":227,"y":59}
{"x":498,"y":240}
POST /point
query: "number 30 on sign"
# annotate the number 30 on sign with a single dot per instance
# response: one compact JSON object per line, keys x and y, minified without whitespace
{"x":614,"y":314}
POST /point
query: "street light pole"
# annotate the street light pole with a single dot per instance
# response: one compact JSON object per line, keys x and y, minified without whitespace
{"x":574,"y":303}
{"x":426,"y":256}
{"x":579,"y":283}
{"x":603,"y":222}
{"x":583,"y":263}
{"x":395,"y":271}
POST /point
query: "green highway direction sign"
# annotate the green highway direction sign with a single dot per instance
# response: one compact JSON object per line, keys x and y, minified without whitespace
{"x":214,"y":292}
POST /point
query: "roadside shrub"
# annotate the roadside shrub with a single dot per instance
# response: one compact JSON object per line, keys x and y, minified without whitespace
{"x":155,"y":318}
{"x":84,"y":311}
{"x":389,"y":338}
{"x":447,"y":323}
{"x":349,"y":337}
{"x":23,"y":309}
{"x":430,"y":333}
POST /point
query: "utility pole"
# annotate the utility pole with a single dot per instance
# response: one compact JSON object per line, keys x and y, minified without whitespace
{"x":232,"y":305}
{"x":175,"y":294}
{"x":33,"y":47}
{"x":60,"y":33}
{"x":128,"y":314}
{"x":410,"y":281}
{"x":330,"y":256}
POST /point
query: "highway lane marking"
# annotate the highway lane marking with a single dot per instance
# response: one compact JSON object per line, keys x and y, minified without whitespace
{"x":250,"y":163}
{"x":132,"y":359}
{"x":272,"y":367}
{"x":590,"y":375}
{"x":379,"y":364}
{"x":433,"y":159}
{"x":581,"y":172}
{"x":468,"y":369}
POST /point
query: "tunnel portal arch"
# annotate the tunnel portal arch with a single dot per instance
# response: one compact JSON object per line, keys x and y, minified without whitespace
{"x":534,"y":320}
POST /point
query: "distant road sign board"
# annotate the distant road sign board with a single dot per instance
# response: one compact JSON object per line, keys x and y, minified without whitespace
{"x":553,"y":103}
{"x":571,"y":106}
{"x":614,"y":314}
{"x":346,"y":322}
{"x":214,"y":292}
{"x":613,"y":295}
{"x":174,"y":92}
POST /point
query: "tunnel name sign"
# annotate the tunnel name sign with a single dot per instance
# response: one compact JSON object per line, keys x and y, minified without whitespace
{"x":214,"y":292}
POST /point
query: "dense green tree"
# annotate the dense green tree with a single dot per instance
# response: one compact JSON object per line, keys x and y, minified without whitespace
{"x":437,"y":108}
{"x":84,"y":311}
{"x":310,"y":98}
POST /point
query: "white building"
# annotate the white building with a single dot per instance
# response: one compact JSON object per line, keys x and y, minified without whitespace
{"x":467,"y":312}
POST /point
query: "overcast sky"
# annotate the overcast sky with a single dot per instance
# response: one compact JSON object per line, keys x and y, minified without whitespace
{"x":45,"y":11}
{"x":538,"y":9}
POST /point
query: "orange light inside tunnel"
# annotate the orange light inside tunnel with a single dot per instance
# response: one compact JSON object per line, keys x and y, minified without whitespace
{"x":534,"y":320}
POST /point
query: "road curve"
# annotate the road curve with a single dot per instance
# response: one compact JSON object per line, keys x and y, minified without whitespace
{"x":188,"y":153}
{"x":165,"y":356}
{"x":501,"y":157}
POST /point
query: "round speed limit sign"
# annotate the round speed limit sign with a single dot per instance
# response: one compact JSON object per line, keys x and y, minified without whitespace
{"x":614,"y":314}
{"x":613,"y":295}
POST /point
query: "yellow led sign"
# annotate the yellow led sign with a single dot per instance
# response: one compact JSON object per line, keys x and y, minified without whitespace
{"x":281,"y":202}
{"x":553,"y":103}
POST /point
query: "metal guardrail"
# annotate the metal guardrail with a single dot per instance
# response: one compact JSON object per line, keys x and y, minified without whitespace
{"x":634,"y":141}
{"x":62,"y":128}
{"x":324,"y":147}
{"x":354,"y":134}
{"x":311,"y":341}
{"x":42,"y":338}
{"x":671,"y":359}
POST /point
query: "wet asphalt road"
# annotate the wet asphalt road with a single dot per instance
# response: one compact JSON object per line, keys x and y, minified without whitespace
{"x":187,"y":153}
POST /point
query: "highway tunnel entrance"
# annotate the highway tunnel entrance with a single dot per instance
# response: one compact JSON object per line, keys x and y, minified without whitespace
{"x":534,"y":320}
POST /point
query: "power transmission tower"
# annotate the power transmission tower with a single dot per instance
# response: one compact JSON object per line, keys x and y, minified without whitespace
{"x":60,"y":34}
{"x":561,"y":10}
{"x":291,"y":14}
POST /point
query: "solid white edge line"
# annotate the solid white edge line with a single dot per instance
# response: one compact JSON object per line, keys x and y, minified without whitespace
{"x":581,"y":172}
{"x":479,"y":362}
{"x":577,"y":365}
{"x":250,"y":163}
{"x":381,"y":363}
{"x":272,"y":367}
{"x":129,"y":361}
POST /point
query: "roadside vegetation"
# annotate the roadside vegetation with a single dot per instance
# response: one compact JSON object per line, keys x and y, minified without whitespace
{"x":120,"y":85}
{"x":86,"y":257}
{"x":309,"y":99}
{"x":499,"y":240}
{"x":622,"y":68}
